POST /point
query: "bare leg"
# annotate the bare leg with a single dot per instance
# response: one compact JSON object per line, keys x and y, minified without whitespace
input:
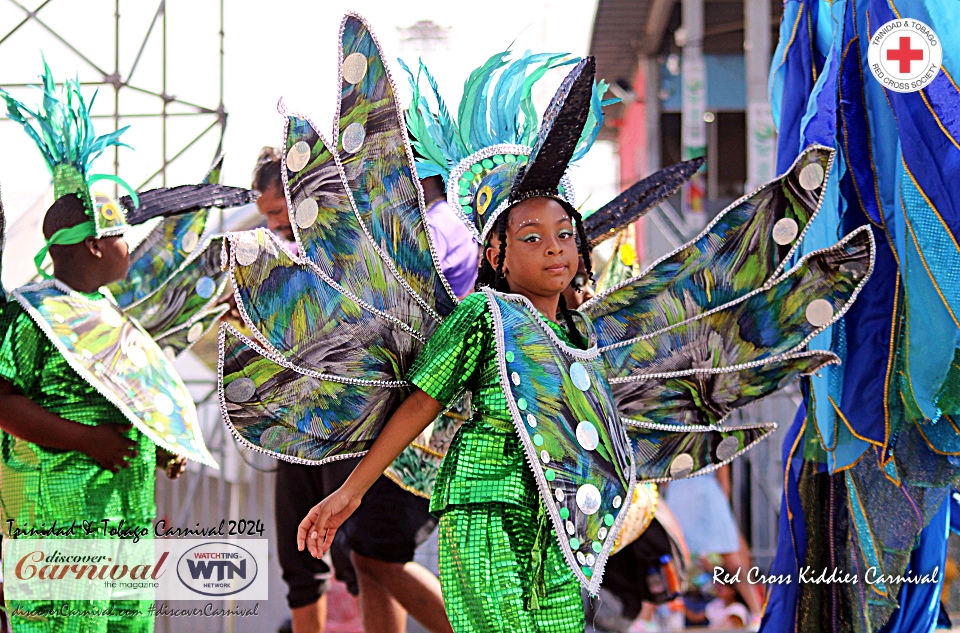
{"x":748,"y":592}
{"x":398,"y":587}
{"x":310,"y":618}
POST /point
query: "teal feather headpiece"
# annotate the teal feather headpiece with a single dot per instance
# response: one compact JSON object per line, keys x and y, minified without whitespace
{"x":63,"y":131}
{"x":481,"y":153}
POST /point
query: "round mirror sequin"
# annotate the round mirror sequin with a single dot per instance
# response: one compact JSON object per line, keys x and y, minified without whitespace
{"x":353,"y":138}
{"x":811,"y":176}
{"x":246,"y":250}
{"x":581,"y":558}
{"x":515,"y":377}
{"x":307,"y":212}
{"x":163,"y":404}
{"x":109,"y":316}
{"x":588,"y":499}
{"x":579,"y":376}
{"x":681,"y":466}
{"x":531,"y":420}
{"x":195,"y":332}
{"x":617,"y":501}
{"x":727,"y":448}
{"x":206,"y":287}
{"x":571,"y":528}
{"x":240,"y":390}
{"x":602,"y":533}
{"x":298,"y":156}
{"x":189,"y":241}
{"x":354,"y":68}
{"x":587,"y":435}
{"x":545,"y":457}
{"x":819,"y":312}
{"x":785,"y":231}
{"x":170,"y":353}
{"x":137,"y":356}
{"x":558,"y":493}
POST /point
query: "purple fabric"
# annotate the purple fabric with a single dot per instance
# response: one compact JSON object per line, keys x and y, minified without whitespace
{"x":458,"y":253}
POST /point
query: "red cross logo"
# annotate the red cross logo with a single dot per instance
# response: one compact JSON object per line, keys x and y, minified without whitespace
{"x":905,"y":55}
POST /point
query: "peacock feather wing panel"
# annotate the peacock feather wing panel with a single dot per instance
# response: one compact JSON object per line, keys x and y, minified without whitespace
{"x":326,"y":223}
{"x":664,"y":454}
{"x":194,"y":288}
{"x":744,"y":247}
{"x":770,"y":321}
{"x":164,"y":251}
{"x":121,"y":361}
{"x":707,"y":397}
{"x":299,"y":314}
{"x":177,"y":341}
{"x":299,"y":416}
{"x":567,"y":420}
{"x":378,"y":166}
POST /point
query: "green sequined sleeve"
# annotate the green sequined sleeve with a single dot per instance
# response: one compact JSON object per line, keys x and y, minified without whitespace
{"x":21,"y":347}
{"x":452,"y":355}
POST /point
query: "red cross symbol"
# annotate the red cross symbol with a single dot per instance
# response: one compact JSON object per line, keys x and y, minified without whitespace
{"x":905,"y":55}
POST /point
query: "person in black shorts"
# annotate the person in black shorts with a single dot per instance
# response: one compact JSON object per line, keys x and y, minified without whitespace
{"x":373,"y":552}
{"x":384,"y":532}
{"x":296,"y":485}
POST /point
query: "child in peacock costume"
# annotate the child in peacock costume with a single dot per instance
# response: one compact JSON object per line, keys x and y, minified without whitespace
{"x":871,"y":458}
{"x":77,"y":368}
{"x":360,"y":328}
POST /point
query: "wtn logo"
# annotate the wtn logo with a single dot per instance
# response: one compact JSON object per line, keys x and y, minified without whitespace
{"x":225,"y":569}
{"x":217,"y":569}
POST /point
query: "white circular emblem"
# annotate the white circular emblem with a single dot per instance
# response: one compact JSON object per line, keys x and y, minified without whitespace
{"x":587,"y":435}
{"x":298,"y":156}
{"x":246,"y":249}
{"x":819,"y":313}
{"x":905,"y":55}
{"x":681,"y":466}
{"x":163,"y":404}
{"x":588,"y":499}
{"x":354,"y":68}
{"x":137,"y":356}
{"x":109,"y":316}
{"x":189,"y":241}
{"x":195,"y":332}
{"x":785,"y":231}
{"x":307,"y":212}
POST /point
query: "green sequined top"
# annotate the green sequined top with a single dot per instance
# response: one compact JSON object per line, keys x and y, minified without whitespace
{"x":485,"y":462}
{"x":41,"y":485}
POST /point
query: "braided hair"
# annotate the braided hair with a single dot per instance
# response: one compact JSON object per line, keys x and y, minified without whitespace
{"x":494,"y":278}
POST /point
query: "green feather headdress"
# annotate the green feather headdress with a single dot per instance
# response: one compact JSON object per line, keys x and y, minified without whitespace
{"x":480,"y":152}
{"x":63,"y":131}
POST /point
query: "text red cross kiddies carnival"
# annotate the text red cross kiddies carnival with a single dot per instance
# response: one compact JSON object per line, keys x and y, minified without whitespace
{"x":905,"y":55}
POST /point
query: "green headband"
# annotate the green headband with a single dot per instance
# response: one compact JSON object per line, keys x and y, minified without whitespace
{"x":67,"y":236}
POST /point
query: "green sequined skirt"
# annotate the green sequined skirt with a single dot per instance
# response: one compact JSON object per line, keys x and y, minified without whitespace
{"x":487,"y":573}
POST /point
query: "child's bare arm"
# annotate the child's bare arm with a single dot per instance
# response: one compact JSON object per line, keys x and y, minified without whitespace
{"x":408,"y":421}
{"x":24,"y":418}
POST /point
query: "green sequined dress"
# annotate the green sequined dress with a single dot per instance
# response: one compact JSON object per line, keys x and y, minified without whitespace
{"x":494,"y":538}
{"x":39,"y":486}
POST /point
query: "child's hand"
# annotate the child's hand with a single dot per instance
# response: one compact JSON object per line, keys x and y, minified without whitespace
{"x":106,"y":445}
{"x":320,"y":525}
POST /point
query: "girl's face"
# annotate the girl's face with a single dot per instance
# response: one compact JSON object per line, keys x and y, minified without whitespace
{"x":542,"y":257}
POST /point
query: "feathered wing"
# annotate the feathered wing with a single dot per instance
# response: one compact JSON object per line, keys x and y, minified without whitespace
{"x":175,"y":281}
{"x":717,"y":324}
{"x":334,"y":336}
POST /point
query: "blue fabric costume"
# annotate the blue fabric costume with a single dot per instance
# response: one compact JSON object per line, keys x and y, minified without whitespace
{"x":872,"y":455}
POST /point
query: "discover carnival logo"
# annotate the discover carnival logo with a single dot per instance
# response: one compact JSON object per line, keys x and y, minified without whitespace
{"x":121,"y":569}
{"x":905,"y":55}
{"x":217,"y":569}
